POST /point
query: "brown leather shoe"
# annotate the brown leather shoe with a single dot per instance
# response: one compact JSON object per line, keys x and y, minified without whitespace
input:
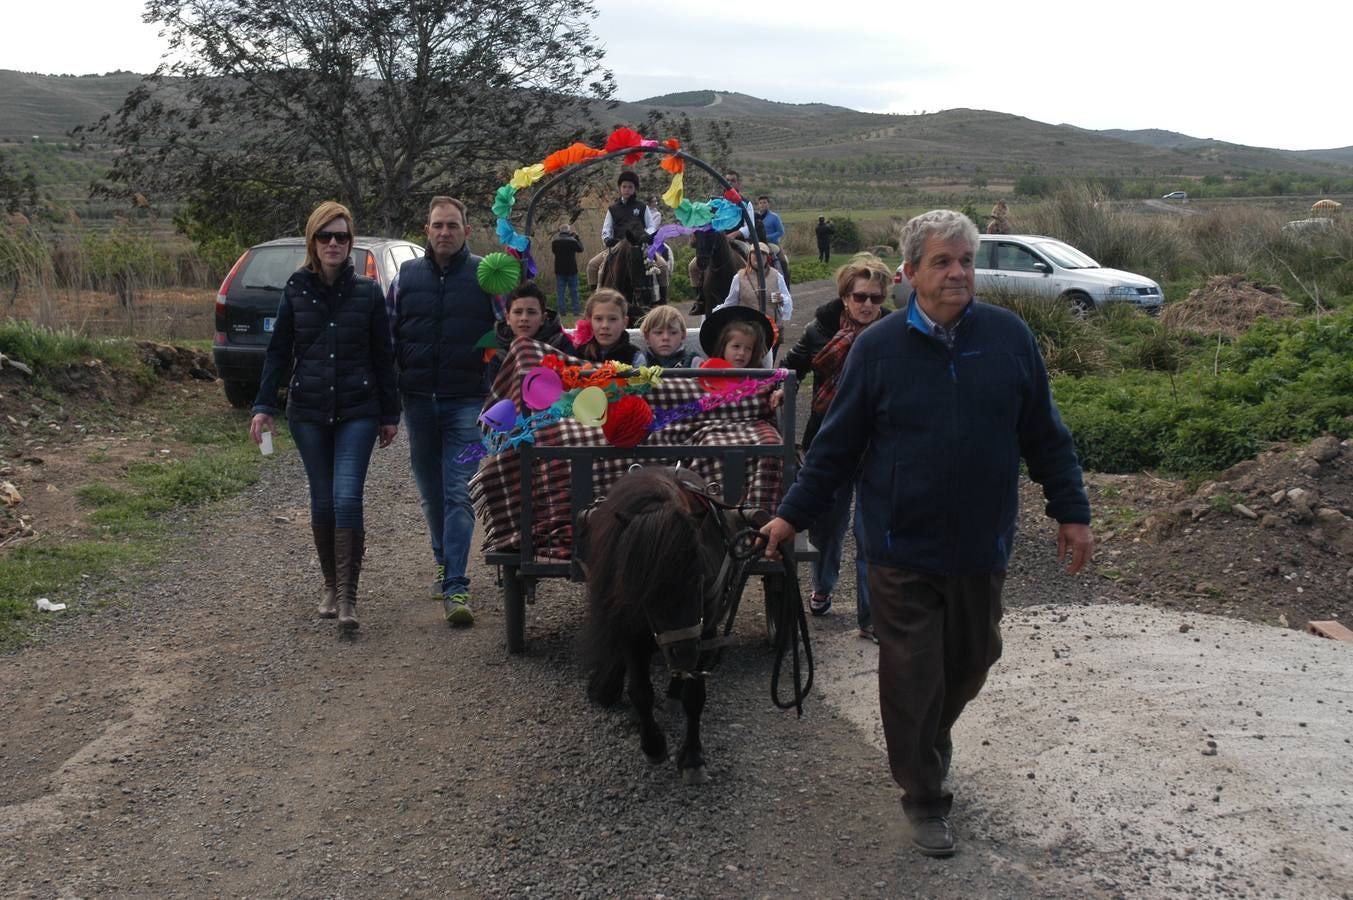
{"x":349,"y":544}
{"x":324,"y":546}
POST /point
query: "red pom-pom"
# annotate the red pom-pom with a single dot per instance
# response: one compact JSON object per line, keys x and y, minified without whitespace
{"x":732,"y":196}
{"x":627,"y":421}
{"x":622,"y":138}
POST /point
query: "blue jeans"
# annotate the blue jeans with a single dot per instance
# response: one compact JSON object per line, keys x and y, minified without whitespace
{"x":828,"y":536}
{"x":438,"y":431}
{"x":336,"y":458}
{"x":569,"y":282}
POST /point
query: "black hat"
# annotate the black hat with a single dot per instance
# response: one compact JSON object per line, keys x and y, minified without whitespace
{"x":714,"y":324}
{"x":628,"y":175}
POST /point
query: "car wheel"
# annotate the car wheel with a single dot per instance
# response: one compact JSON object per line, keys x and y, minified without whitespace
{"x":240,"y":393}
{"x":1081,"y":304}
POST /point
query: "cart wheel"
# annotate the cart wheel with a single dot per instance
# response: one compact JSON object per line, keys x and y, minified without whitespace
{"x":774,"y":588}
{"x":514,"y":610}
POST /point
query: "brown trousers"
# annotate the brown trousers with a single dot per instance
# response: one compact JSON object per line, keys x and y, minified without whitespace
{"x":938,"y":636}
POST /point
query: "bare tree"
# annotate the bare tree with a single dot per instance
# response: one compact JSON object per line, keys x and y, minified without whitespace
{"x":264,"y":107}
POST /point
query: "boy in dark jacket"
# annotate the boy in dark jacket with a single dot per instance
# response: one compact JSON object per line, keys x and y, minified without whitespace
{"x":527,"y":317}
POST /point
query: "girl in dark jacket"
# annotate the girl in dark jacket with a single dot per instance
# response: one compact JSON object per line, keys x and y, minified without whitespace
{"x":606,"y":311}
{"x":332,"y":333}
{"x":862,"y":286}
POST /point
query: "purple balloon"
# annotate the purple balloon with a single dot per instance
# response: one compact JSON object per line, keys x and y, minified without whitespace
{"x":501,"y":416}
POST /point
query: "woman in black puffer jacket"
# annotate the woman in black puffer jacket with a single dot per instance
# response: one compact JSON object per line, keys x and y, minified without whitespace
{"x":332,"y":332}
{"x":861,"y":287}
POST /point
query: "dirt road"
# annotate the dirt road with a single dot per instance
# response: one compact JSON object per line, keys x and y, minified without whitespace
{"x":205,"y":735}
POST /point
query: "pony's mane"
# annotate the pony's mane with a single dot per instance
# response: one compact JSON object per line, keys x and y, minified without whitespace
{"x":644,"y":548}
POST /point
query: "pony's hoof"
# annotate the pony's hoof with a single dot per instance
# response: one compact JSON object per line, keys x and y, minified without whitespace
{"x":656,"y":759}
{"x":696,"y":775}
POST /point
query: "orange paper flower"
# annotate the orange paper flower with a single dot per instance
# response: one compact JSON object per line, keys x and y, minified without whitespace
{"x":569,"y":156}
{"x":674,"y":164}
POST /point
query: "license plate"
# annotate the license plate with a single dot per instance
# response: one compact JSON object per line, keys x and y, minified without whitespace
{"x":269,"y":322}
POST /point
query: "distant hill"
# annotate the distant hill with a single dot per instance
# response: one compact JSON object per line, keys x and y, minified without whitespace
{"x":1155,"y":137}
{"x":49,"y":106}
{"x":816,"y":154}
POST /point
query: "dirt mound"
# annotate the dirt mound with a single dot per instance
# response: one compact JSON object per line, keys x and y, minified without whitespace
{"x":67,"y":402}
{"x":1229,"y":305}
{"x":1271,"y":540}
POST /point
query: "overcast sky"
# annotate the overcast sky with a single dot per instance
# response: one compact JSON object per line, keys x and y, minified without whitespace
{"x":1271,"y":75}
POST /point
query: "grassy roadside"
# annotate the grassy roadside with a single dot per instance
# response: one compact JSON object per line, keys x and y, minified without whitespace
{"x":129,"y":520}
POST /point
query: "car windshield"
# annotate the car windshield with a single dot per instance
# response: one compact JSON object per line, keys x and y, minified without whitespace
{"x":1066,"y":256}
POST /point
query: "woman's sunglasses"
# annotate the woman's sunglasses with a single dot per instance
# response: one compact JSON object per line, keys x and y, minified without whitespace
{"x":865,"y":297}
{"x":325,"y":237}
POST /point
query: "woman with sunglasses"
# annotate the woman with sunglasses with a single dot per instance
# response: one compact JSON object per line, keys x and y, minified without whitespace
{"x":333,"y":336}
{"x":861,"y":287}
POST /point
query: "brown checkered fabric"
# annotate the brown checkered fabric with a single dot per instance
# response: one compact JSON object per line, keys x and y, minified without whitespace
{"x":496,"y":488}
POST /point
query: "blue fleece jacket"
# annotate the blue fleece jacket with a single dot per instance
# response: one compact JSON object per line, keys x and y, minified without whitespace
{"x":936,"y":435}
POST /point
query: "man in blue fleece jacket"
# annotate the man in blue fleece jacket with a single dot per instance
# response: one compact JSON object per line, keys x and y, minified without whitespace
{"x":933,"y":412}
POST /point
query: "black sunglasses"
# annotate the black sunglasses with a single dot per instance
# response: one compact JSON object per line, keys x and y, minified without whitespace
{"x":863,"y":297}
{"x":324,"y":237}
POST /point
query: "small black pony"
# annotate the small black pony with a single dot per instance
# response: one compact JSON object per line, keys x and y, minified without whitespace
{"x":657,"y":548}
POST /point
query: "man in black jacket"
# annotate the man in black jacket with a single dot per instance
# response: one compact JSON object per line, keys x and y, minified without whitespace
{"x":934,"y":409}
{"x":440,"y":313}
{"x":566,"y":246}
{"x":824,"y":231}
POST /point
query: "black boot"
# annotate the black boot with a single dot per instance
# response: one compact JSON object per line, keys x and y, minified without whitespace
{"x":349,"y":544}
{"x":324,"y":546}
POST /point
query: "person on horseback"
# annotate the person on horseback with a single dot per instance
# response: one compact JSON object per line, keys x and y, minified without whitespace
{"x":628,"y":216}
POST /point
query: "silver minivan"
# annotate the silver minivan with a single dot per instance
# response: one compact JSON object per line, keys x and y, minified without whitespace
{"x":1034,"y":264}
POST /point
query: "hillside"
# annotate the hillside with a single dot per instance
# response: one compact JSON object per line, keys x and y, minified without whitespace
{"x":810,"y":155}
{"x":1240,"y":153}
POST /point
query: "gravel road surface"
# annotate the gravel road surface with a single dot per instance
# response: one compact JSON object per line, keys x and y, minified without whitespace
{"x":205,"y":735}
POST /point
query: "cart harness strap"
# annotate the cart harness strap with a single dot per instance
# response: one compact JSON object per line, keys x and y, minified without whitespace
{"x":741,"y":548}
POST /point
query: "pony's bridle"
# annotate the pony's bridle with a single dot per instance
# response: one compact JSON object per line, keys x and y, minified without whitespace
{"x":741,"y":547}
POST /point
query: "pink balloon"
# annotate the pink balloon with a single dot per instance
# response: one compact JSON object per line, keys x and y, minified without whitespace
{"x":501,"y":416}
{"x":540,"y":387}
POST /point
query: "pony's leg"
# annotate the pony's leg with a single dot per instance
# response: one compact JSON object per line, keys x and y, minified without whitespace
{"x":651,"y":739}
{"x":691,"y":761}
{"x":607,"y":683}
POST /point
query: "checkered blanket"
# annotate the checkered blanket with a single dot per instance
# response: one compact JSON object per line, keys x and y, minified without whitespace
{"x":496,"y":488}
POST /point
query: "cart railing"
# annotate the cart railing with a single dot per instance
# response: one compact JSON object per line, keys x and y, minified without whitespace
{"x":733,"y":459}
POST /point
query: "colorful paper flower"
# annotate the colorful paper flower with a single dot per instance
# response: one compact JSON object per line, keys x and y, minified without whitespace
{"x":527,"y":176}
{"x":498,"y":272}
{"x":504,"y":199}
{"x":510,"y":237}
{"x":569,"y":156}
{"x":673,"y":163}
{"x":622,"y":138}
{"x":693,"y":215}
{"x":725,"y":215}
{"x":676,"y":192}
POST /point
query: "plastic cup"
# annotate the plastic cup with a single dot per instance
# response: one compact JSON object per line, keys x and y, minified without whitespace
{"x":265,"y":446}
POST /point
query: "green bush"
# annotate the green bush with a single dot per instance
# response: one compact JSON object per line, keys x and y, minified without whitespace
{"x":847,"y":236}
{"x":1284,"y":380}
{"x":43,"y":348}
{"x":1070,"y":344}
